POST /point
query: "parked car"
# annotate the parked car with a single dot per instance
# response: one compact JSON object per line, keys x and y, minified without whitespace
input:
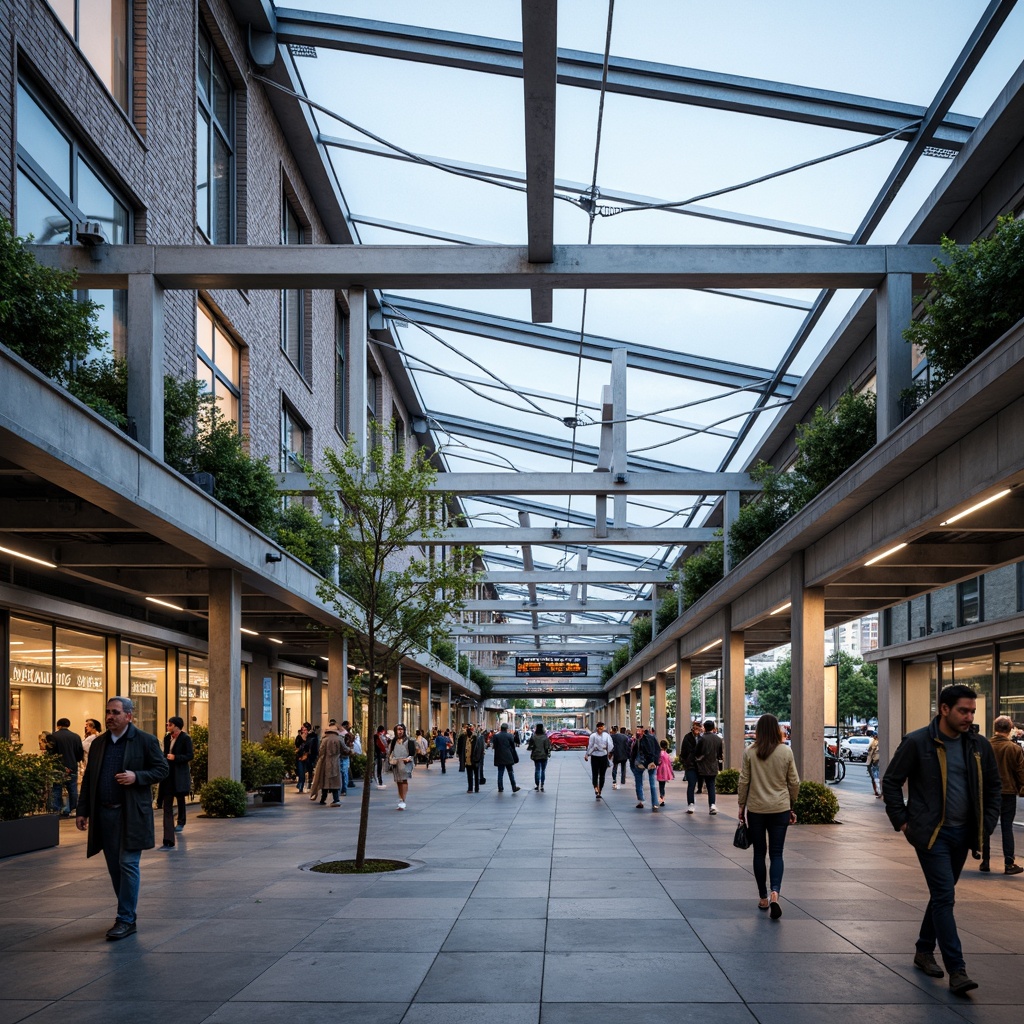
{"x":855,"y":748}
{"x":569,"y":739}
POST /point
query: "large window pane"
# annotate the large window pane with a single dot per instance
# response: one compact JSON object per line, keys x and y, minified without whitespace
{"x":97,"y":202}
{"x":31,"y":683}
{"x":43,"y":141}
{"x":193,"y":690}
{"x":101,"y":29}
{"x":214,"y":145}
{"x":39,"y":217}
{"x":81,"y":677}
{"x":144,"y":675}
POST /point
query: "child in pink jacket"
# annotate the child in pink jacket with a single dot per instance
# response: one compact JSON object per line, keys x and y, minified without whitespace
{"x":664,"y":773}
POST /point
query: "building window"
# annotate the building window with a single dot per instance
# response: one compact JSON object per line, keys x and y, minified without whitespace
{"x":293,"y":440}
{"x":58,"y":188}
{"x":292,"y":305}
{"x":339,"y":371}
{"x":218,"y":364}
{"x":397,"y":432}
{"x":100,"y":27}
{"x":968,"y":595}
{"x":215,"y":145}
{"x":372,"y":420}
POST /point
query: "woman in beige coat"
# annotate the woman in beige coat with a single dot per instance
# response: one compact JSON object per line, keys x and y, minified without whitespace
{"x":768,"y":788}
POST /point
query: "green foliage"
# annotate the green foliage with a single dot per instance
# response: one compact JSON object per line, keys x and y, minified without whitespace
{"x":773,"y":688}
{"x":300,"y":532}
{"x":102,"y":384}
{"x":816,"y":804}
{"x":444,"y":651}
{"x":200,"y":756}
{"x":482,"y":680}
{"x":702,"y":571}
{"x":762,"y":516}
{"x":223,"y":798}
{"x":357,"y":766}
{"x":25,"y":781}
{"x":40,"y":317}
{"x":260,"y":768}
{"x":710,"y":699}
{"x":280,"y":746}
{"x":833,"y":441}
{"x":618,"y":659}
{"x":183,"y":400}
{"x":639,"y":634}
{"x":728,"y":781}
{"x":978,"y":294}
{"x":858,"y":687}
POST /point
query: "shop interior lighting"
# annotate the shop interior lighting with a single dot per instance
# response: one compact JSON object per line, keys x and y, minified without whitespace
{"x":28,"y":558}
{"x":274,"y":640}
{"x":714,"y":643}
{"x":974,"y":508}
{"x":248,"y":632}
{"x":165,"y":604}
{"x":781,"y":608}
{"x":886,"y":554}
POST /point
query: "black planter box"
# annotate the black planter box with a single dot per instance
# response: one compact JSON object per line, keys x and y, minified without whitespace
{"x":23,"y":835}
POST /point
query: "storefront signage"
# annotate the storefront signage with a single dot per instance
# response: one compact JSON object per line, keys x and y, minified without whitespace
{"x":193,"y":692}
{"x":33,"y":675}
{"x":551,"y":666}
{"x":142,"y":687}
{"x":268,"y":704}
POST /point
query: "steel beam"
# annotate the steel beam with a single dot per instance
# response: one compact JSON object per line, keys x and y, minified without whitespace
{"x":528,"y":647}
{"x":505,"y":630}
{"x":491,"y":267}
{"x":594,"y":577}
{"x":665,"y":82}
{"x":645,"y":535}
{"x":665,"y":360}
{"x":513,"y":607}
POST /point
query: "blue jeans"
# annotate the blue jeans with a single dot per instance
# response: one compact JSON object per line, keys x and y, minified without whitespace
{"x":540,"y":769}
{"x":709,"y":785}
{"x":502,"y":768}
{"x":942,"y":865}
{"x":442,"y":756}
{"x":1007,"y":812}
{"x":768,"y":835}
{"x":691,"y":784}
{"x":638,"y":778}
{"x":300,"y":771}
{"x":344,"y":763}
{"x":57,"y":799}
{"x":122,"y":864}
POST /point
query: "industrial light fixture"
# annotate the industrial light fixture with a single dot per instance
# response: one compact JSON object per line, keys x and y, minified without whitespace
{"x":165,"y":604}
{"x":974,"y":508}
{"x":274,"y":556}
{"x":781,"y":608}
{"x":714,"y":643}
{"x":90,"y":233}
{"x":248,"y":632}
{"x":28,"y":558}
{"x":274,"y":640}
{"x":886,"y":554}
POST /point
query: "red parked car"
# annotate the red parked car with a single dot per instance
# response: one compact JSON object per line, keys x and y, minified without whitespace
{"x":569,"y":739}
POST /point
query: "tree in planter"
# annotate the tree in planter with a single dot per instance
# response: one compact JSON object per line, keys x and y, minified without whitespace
{"x":300,"y":532}
{"x":389,"y":598}
{"x":702,"y":571}
{"x":977,"y":295}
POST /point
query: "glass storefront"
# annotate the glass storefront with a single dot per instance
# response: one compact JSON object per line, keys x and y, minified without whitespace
{"x":295,"y":703}
{"x":973,"y":670}
{"x":919,"y":693}
{"x":193,"y":689}
{"x":145,"y":671}
{"x":1011,"y":684}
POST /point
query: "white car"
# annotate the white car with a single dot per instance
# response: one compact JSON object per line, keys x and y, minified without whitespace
{"x":855,"y":748}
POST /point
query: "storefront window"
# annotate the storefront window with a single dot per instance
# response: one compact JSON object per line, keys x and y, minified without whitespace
{"x":975,"y":671}
{"x":294,"y":704}
{"x":31,"y":681}
{"x":1011,"y":684}
{"x":81,"y":677}
{"x":193,"y":690}
{"x":144,"y":673}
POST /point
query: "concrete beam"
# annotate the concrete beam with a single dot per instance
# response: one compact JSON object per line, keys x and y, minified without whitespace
{"x":498,"y":267}
{"x":510,"y":629}
{"x":646,"y":535}
{"x":594,"y":577}
{"x":540,"y":69}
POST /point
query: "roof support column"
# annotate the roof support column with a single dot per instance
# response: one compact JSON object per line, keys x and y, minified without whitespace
{"x":730,"y":510}
{"x":733,"y":703}
{"x":145,"y":356}
{"x":337,"y":679}
{"x":225,"y":632}
{"x":684,"y":679}
{"x":808,"y":673}
{"x":894,"y":302}
{"x":620,"y":460}
{"x":646,"y":693}
{"x":357,"y":362}
{"x":394,"y":699}
{"x":660,"y":710}
{"x":445,"y":717}
{"x":425,"y":704}
{"x":316,"y":701}
{"x":891,"y":704}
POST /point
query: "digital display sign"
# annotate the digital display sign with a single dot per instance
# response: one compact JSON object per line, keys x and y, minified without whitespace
{"x":551,"y":666}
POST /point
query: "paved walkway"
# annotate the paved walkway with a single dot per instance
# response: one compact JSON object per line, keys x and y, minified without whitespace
{"x":551,"y":908}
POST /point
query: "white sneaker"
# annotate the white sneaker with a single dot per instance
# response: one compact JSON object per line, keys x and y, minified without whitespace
{"x":689,"y":808}
{"x":714,"y":809}
{"x":381,"y":786}
{"x":401,"y":805}
{"x":615,"y":785}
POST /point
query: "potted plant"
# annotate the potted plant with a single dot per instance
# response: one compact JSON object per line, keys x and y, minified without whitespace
{"x":26,"y":781}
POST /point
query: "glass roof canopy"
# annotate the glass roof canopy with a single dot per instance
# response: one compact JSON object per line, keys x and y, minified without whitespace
{"x":697,"y":99}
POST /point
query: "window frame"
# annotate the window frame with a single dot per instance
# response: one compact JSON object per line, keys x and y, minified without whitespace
{"x":206,"y":111}
{"x":74,"y":30}
{"x":211,"y":363}
{"x":340,"y":366}
{"x":290,"y":212}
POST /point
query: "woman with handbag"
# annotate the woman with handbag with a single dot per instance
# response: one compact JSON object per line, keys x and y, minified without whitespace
{"x":768,"y":788}
{"x":401,"y":758}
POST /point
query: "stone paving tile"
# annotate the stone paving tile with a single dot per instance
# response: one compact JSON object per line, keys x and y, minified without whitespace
{"x":124,"y":1012}
{"x":492,"y":907}
{"x":479,"y":977}
{"x":470,"y":1013}
{"x":14,"y":1010}
{"x":900,"y":936}
{"x":469,"y":935}
{"x":569,"y":935}
{"x":994,"y":974}
{"x":891,"y":1013}
{"x":276,"y":1010}
{"x":758,"y":933}
{"x":612,"y":908}
{"x":689,"y":1012}
{"x":342,"y":934}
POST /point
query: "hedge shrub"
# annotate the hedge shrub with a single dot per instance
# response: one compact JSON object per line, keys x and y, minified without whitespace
{"x":223,"y":798}
{"x":816,"y":804}
{"x":728,"y":781}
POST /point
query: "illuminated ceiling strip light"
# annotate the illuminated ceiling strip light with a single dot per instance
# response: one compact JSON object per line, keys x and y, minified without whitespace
{"x":886,"y":554}
{"x":274,"y":640}
{"x":714,"y":643}
{"x":974,"y":508}
{"x":248,"y":632}
{"x":781,"y":608}
{"x":165,"y":604}
{"x":28,"y":558}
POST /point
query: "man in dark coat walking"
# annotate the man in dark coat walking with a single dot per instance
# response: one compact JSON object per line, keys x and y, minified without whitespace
{"x":505,"y":756}
{"x":179,"y":752}
{"x":116,"y":804}
{"x":67,"y":746}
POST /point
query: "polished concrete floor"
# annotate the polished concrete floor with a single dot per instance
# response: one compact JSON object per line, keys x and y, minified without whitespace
{"x":535,"y":907}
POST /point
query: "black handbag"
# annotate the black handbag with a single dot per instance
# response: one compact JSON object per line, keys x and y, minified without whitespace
{"x":741,"y":840}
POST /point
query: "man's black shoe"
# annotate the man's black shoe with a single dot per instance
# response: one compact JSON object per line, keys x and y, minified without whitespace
{"x":121,"y":930}
{"x":983,"y":866}
{"x":959,"y":983}
{"x":926,"y":962}
{"x":515,"y":789}
{"x":1012,"y":869}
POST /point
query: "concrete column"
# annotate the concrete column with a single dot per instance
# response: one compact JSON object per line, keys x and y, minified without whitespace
{"x":337,"y":678}
{"x":225,"y":622}
{"x":732,"y":698}
{"x":620,"y":458}
{"x":646,"y":689}
{"x":316,"y":702}
{"x":445,"y":721}
{"x":808,"y":677}
{"x":890,"y":708}
{"x":730,"y":510}
{"x":683,"y":716}
{"x":660,"y":711}
{"x":356,"y":359}
{"x":394,"y":702}
{"x":894,"y":304}
{"x":425,"y":703}
{"x":145,"y":356}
